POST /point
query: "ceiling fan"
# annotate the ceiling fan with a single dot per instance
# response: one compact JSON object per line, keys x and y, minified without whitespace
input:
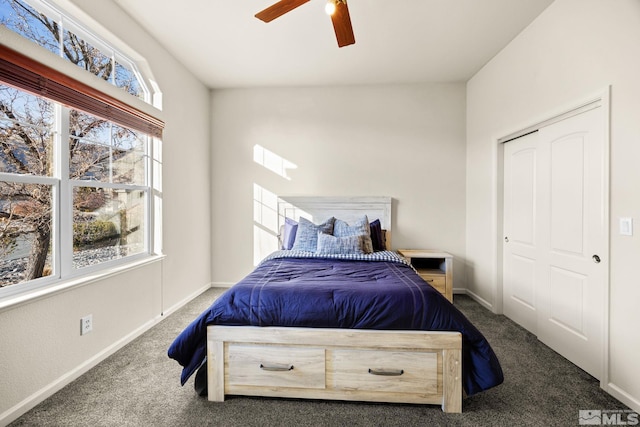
{"x":336,"y":8}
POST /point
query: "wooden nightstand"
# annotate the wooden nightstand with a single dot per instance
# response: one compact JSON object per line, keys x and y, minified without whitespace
{"x":435,"y":267}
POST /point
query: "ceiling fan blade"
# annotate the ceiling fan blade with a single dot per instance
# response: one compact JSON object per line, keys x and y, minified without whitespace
{"x":342,"y":25}
{"x":278,"y":9}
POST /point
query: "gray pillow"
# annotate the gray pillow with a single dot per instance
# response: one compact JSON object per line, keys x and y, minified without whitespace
{"x":359,"y":228}
{"x":328,"y":244}
{"x":307,"y":234}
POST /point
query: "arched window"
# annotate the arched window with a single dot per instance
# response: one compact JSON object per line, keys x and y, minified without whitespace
{"x":45,"y":25}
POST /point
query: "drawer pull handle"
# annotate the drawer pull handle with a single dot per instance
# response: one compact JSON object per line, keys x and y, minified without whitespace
{"x":387,"y":372}
{"x":429,"y":280}
{"x":276,"y":367}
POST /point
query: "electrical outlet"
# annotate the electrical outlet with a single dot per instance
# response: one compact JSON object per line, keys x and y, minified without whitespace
{"x":86,"y":324}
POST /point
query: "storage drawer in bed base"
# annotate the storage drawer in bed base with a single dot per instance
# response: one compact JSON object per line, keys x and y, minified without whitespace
{"x":342,"y":364}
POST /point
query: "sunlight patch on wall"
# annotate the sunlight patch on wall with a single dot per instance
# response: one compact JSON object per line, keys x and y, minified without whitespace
{"x":265,"y":223}
{"x":272,"y":161}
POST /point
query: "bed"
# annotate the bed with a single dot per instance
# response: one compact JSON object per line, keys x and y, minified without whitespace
{"x":336,"y":324}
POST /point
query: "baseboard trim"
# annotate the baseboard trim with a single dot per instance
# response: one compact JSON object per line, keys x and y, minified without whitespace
{"x":483,"y":302}
{"x":222,"y":284}
{"x":39,"y":396}
{"x":623,"y":396}
{"x":177,"y":306}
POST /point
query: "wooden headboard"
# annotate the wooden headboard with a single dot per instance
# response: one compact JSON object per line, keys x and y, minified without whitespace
{"x":349,"y":209}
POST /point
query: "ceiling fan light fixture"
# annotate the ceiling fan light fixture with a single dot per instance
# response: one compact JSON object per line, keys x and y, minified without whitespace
{"x":337,"y":9}
{"x":330,"y":7}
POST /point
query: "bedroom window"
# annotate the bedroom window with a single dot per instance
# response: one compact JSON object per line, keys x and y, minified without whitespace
{"x":42,"y":23}
{"x":27,"y":185}
{"x":95,"y":185}
{"x":107,"y":175}
{"x":76,"y":168}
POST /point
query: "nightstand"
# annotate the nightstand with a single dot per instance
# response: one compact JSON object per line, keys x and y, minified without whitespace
{"x":435,"y":267}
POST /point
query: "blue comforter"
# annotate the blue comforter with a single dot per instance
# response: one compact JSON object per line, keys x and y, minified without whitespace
{"x":376,"y":291}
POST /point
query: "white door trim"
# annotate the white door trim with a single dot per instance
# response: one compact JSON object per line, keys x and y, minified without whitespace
{"x":600,"y":99}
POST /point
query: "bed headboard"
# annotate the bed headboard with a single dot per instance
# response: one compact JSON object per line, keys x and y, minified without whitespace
{"x":349,"y":209}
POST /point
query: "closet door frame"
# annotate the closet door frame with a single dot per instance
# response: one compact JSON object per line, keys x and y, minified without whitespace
{"x":601,"y":100}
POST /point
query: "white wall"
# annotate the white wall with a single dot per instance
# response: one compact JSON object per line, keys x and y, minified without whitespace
{"x":405,"y":142}
{"x":41,"y":348}
{"x":574,"y":49}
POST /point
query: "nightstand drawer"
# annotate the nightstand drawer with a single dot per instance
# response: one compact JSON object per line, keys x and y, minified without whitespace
{"x":434,"y":267}
{"x":437,"y":281}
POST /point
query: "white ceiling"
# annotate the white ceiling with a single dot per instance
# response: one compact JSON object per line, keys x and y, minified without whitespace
{"x":397,"y":41}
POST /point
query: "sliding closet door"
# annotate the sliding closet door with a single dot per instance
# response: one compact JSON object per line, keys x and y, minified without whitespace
{"x":560,"y":198}
{"x":571,"y":311}
{"x":519,"y":293}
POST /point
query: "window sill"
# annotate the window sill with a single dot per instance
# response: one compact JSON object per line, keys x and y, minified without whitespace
{"x":28,"y":297}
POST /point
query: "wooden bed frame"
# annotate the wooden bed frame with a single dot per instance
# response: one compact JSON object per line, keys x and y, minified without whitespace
{"x":342,"y":364}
